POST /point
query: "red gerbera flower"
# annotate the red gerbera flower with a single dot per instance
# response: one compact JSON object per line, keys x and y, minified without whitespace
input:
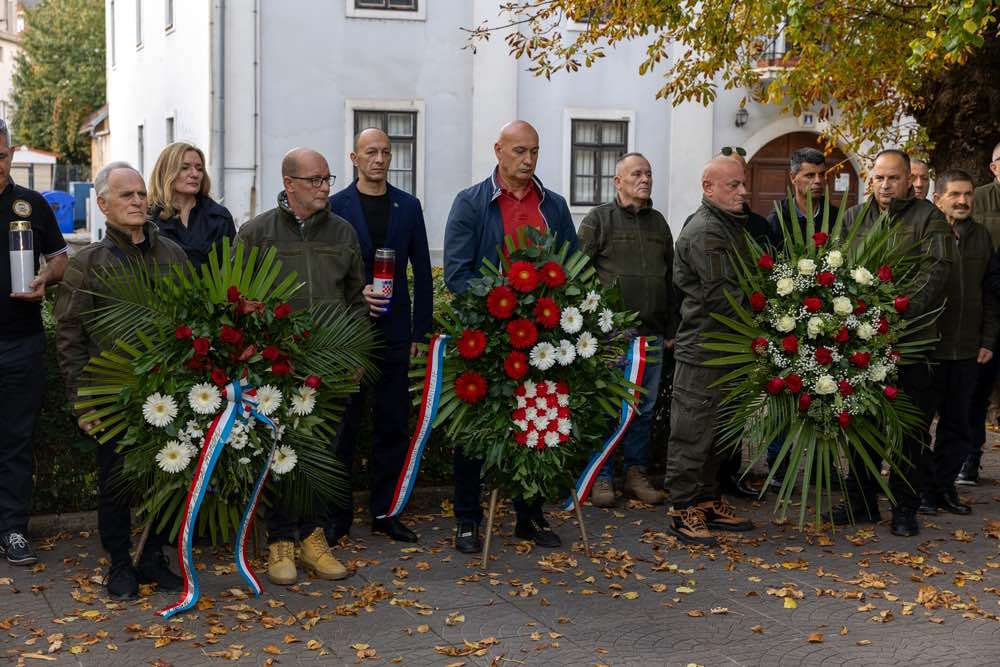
{"x":470,"y":387}
{"x":553,"y":274}
{"x":471,"y":343}
{"x":501,"y":302}
{"x":515,"y":365}
{"x":547,"y":312}
{"x":521,"y":333}
{"x":523,"y":276}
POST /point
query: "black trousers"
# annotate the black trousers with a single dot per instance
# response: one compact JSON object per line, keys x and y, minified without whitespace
{"x":22,"y":385}
{"x":918,"y":381}
{"x":954,"y":387}
{"x":468,"y":487}
{"x":985,"y":378}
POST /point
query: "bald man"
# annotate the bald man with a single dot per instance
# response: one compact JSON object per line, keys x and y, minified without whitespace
{"x":323,"y":250}
{"x":383,"y":216}
{"x":702,"y":275}
{"x":511,"y":197}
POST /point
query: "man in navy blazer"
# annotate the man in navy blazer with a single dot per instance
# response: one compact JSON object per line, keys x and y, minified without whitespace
{"x":480,"y":217}
{"x":384,"y":216}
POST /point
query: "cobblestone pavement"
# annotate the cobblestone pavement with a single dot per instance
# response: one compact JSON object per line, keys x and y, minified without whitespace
{"x":776,"y":596}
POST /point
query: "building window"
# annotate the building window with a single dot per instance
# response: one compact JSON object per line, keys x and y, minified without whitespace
{"x":170,"y":130}
{"x":138,"y":23}
{"x":401,"y":126}
{"x":140,"y":149}
{"x":596,"y":147}
{"x":111,"y":30}
{"x":168,"y":17}
{"x":392,"y":5}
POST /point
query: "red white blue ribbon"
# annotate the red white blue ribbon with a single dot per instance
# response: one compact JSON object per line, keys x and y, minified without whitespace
{"x":635,"y":367}
{"x":241,"y":403}
{"x":429,"y":403}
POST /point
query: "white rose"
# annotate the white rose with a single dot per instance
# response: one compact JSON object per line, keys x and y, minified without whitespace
{"x":814,"y":326}
{"x":861,"y":275}
{"x":785,"y":323}
{"x":865,"y":331}
{"x":785,"y":286}
{"x":825,"y":384}
{"x":834,"y":259}
{"x":878,"y":372}
{"x":842,"y":305}
{"x":807,"y":267}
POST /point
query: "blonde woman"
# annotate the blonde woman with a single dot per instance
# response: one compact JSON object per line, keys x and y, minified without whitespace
{"x":180,"y":206}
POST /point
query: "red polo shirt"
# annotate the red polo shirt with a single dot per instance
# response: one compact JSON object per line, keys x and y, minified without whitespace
{"x":519,"y":212}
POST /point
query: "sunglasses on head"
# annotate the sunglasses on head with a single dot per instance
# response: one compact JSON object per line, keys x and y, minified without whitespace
{"x":729,"y":150}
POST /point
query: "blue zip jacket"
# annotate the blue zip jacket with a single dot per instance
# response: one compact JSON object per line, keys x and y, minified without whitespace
{"x":474,"y":230}
{"x":408,"y":237}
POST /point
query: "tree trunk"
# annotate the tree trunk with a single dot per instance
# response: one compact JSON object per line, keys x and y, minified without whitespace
{"x":962,"y":112}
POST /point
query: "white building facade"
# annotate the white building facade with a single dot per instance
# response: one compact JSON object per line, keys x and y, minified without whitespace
{"x":246,"y":80}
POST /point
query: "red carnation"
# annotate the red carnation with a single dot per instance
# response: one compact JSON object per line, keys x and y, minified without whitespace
{"x":515,"y":365}
{"x":313,"y":381}
{"x":861,"y":307}
{"x":812,"y":304}
{"x":519,"y":413}
{"x":885,"y":273}
{"x":820,"y":238}
{"x":552,"y":401}
{"x":823,"y":356}
{"x":759,"y":345}
{"x":523,"y":276}
{"x":845,"y":388}
{"x":470,"y":387}
{"x":271,"y":353}
{"x":758,"y":301}
{"x":890,"y":392}
{"x":844,"y":419}
{"x":233,"y":294}
{"x":775,"y":385}
{"x":201,"y":346}
{"x":901,"y":303}
{"x":281,"y":367}
{"x":521,"y":438}
{"x":842,"y":335}
{"x":219,"y":377}
{"x":883,"y":326}
{"x":471,"y":343}
{"x":501,"y":302}
{"x":793,"y":383}
{"x":547,"y":312}
{"x":281,"y":311}
{"x":825,"y":278}
{"x":860,"y":359}
{"x":552,"y":274}
{"x":183,"y":332}
{"x":230,"y":335}
{"x":521,"y":333}
{"x":790,"y":344}
{"x":805,"y":400}
{"x":765,"y":262}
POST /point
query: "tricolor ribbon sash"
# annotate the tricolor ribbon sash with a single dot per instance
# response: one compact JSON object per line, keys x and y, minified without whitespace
{"x":241,"y":403}
{"x":635,"y":367}
{"x":429,"y":402}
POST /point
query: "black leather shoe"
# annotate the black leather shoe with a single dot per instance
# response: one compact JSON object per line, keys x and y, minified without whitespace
{"x":334,"y":534}
{"x":841,"y":514}
{"x":122,"y":582}
{"x":904,"y":523}
{"x":16,"y":548}
{"x":536,"y":529}
{"x":395,"y":529}
{"x":740,"y":488}
{"x":153,"y":569}
{"x":467,"y":537}
{"x":951,"y":503}
{"x":969,"y":474}
{"x":928,"y":503}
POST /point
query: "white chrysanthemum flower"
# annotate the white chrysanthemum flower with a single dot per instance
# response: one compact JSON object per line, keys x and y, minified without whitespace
{"x":571,"y":320}
{"x":785,"y":286}
{"x":541,"y":403}
{"x":591,"y":302}
{"x":565,"y":426}
{"x":862,"y":276}
{"x":834,"y":259}
{"x":285,"y":459}
{"x":530,"y":413}
{"x":563,"y":400}
{"x":541,"y":423}
{"x":806,"y":267}
{"x":785,"y":324}
{"x":586,"y":345}
{"x":522,"y":402}
{"x":533,"y":439}
{"x":159,"y":410}
{"x":194,"y":430}
{"x":814,"y":326}
{"x":878,"y":372}
{"x":865,"y":331}
{"x":550,"y":386}
{"x":204,"y":398}
{"x":191,"y":450}
{"x":566,"y":353}
{"x":606,"y":320}
{"x":303,"y":401}
{"x":543,"y":356}
{"x":825,"y":384}
{"x":268,"y":399}
{"x":552,"y":413}
{"x":842,"y":305}
{"x":243,"y":460}
{"x":551,"y":438}
{"x":521,"y":424}
{"x":530,"y":389}
{"x":173,"y":458}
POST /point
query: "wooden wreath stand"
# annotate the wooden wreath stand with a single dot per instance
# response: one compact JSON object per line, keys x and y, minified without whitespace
{"x":494,"y":497}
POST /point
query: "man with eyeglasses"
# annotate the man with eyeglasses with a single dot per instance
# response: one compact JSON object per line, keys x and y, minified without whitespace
{"x":323,"y":250}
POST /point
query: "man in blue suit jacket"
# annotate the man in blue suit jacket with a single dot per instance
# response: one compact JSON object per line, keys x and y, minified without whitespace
{"x":385,"y":217}
{"x":480,"y":217}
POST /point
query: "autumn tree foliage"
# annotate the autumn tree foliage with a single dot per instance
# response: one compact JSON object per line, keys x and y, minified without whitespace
{"x":871,"y":67}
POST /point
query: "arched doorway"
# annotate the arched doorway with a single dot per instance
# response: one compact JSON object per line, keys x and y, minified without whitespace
{"x":768,"y":169}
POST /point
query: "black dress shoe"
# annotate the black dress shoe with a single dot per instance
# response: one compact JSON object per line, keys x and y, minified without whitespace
{"x":951,"y":503}
{"x":122,"y":583}
{"x":153,"y":569}
{"x":740,"y":488}
{"x":928,"y":503}
{"x":467,"y":537}
{"x":394,"y":528}
{"x":904,"y":523}
{"x":841,"y":514}
{"x":334,"y":534}
{"x":17,"y":549}
{"x":536,"y":529}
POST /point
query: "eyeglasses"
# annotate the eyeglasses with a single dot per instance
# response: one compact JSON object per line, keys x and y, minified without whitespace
{"x":729,"y":150}
{"x":317,"y":181}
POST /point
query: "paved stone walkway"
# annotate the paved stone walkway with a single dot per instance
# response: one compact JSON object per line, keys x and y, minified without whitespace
{"x":776,"y":596}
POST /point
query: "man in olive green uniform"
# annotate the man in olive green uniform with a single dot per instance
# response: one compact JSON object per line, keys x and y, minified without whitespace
{"x":323,"y":250}
{"x":924,"y":226}
{"x":121,"y":195}
{"x":630,"y":244}
{"x":703,"y":273}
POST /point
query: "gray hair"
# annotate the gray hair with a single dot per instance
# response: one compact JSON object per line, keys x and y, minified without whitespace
{"x":803,"y":156}
{"x":101,"y":180}
{"x":4,"y":132}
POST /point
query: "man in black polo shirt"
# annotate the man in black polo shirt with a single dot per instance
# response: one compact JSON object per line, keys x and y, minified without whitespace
{"x":22,"y":352}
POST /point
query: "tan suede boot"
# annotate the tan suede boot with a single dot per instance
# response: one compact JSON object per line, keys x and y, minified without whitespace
{"x":637,"y":486}
{"x":281,"y":563}
{"x":603,"y":493}
{"x":317,"y":557}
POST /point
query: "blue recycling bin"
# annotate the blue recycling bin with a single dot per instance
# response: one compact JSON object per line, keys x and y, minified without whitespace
{"x":62,"y":206}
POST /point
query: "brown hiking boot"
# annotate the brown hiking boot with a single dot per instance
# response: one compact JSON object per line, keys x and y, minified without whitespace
{"x":689,"y":526}
{"x":637,"y":486}
{"x":720,"y":515}
{"x":281,"y":563}
{"x":603,"y":493}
